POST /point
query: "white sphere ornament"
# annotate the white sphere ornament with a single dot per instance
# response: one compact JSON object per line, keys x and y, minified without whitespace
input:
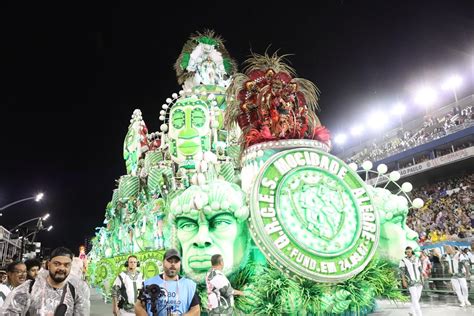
{"x":382,"y":168}
{"x":417,"y":203}
{"x":198,"y":202}
{"x":353,"y":166}
{"x":394,"y":176}
{"x":162,"y":117}
{"x":164,"y":127}
{"x":407,"y":187}
{"x":168,"y":100}
{"x":367,"y":165}
{"x":181,"y":92}
{"x":162,"y":112}
{"x":174,"y":95}
{"x":165,"y":106}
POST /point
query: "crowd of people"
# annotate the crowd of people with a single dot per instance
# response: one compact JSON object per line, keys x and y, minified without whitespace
{"x":431,"y":129}
{"x":48,"y":288}
{"x":448,"y":213}
{"x":52,"y":288}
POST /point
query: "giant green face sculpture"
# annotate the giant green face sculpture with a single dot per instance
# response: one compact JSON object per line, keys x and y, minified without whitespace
{"x":395,"y":235}
{"x":189,"y":130}
{"x":209,"y":220}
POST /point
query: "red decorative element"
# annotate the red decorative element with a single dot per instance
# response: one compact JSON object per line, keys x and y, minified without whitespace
{"x":322,"y":134}
{"x":273,"y":108}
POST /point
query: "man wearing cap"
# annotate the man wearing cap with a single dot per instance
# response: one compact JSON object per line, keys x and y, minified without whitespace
{"x":53,"y":292}
{"x":176,"y":295}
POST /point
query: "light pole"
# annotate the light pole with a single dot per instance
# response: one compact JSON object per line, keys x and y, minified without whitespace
{"x":452,"y":83}
{"x":40,"y":220}
{"x":399,"y":109}
{"x":425,"y":97}
{"x":356,"y":131}
{"x":26,"y":233}
{"x":38,"y":197}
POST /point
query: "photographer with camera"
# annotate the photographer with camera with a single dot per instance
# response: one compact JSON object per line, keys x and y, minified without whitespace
{"x":126,"y":287}
{"x":168,"y":293}
{"x":52,"y":292}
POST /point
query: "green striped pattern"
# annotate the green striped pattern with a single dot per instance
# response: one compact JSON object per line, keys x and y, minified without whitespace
{"x":128,"y":187}
{"x":152,"y":158}
{"x":155,"y":179}
{"x":227,"y":171}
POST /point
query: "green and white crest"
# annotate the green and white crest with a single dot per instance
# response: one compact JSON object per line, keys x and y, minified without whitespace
{"x":311,"y":215}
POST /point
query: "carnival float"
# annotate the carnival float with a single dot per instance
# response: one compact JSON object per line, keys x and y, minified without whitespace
{"x":241,"y":166}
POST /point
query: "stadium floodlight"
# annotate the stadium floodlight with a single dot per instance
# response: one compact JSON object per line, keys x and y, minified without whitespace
{"x":357,"y":130}
{"x":452,"y":83}
{"x":426,"y":96}
{"x":377,"y":120}
{"x":399,"y":109}
{"x":340,"y":139}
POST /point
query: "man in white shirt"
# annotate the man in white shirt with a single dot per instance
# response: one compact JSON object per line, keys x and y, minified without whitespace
{"x":460,"y":269}
{"x":412,"y":278}
{"x":125,"y":289}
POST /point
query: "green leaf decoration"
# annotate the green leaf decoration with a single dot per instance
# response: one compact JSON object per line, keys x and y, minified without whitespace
{"x":341,"y":306}
{"x":207,"y":40}
{"x":227,"y":65}
{"x":185,"y":60}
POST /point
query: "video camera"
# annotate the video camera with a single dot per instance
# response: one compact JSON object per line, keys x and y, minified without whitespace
{"x":152,"y":294}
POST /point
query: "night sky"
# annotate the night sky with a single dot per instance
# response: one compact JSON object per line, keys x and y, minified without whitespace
{"x":72,"y":76}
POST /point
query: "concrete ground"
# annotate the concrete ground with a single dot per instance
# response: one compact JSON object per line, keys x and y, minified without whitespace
{"x":435,"y":305}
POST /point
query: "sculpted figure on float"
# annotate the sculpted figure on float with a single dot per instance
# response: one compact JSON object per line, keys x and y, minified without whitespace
{"x":210,"y":219}
{"x":395,"y":235}
{"x":189,"y":130}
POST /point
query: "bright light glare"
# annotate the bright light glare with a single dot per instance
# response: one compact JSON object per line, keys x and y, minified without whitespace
{"x":399,"y":109}
{"x":426,"y":96}
{"x":45,"y":217}
{"x":50,"y":227}
{"x":452,"y":82}
{"x":340,"y":139}
{"x":357,"y":130}
{"x":39,"y":197}
{"x":377,"y":120}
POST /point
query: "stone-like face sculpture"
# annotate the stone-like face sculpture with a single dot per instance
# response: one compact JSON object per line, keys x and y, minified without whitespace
{"x":208,"y":220}
{"x":189,"y":129}
{"x":395,"y":235}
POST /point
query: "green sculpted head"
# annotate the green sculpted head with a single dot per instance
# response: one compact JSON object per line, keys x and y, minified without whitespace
{"x":395,"y":235}
{"x":208,"y":220}
{"x":189,"y":129}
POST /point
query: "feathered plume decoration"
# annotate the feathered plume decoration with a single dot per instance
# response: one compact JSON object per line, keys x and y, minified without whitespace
{"x":211,"y":47}
{"x":269,"y":103}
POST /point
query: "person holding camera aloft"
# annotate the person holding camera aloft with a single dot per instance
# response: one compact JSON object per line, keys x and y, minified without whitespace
{"x":126,"y":287}
{"x":168,"y":293}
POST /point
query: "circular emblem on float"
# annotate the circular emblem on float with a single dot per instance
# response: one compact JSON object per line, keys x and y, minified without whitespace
{"x":311,"y":215}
